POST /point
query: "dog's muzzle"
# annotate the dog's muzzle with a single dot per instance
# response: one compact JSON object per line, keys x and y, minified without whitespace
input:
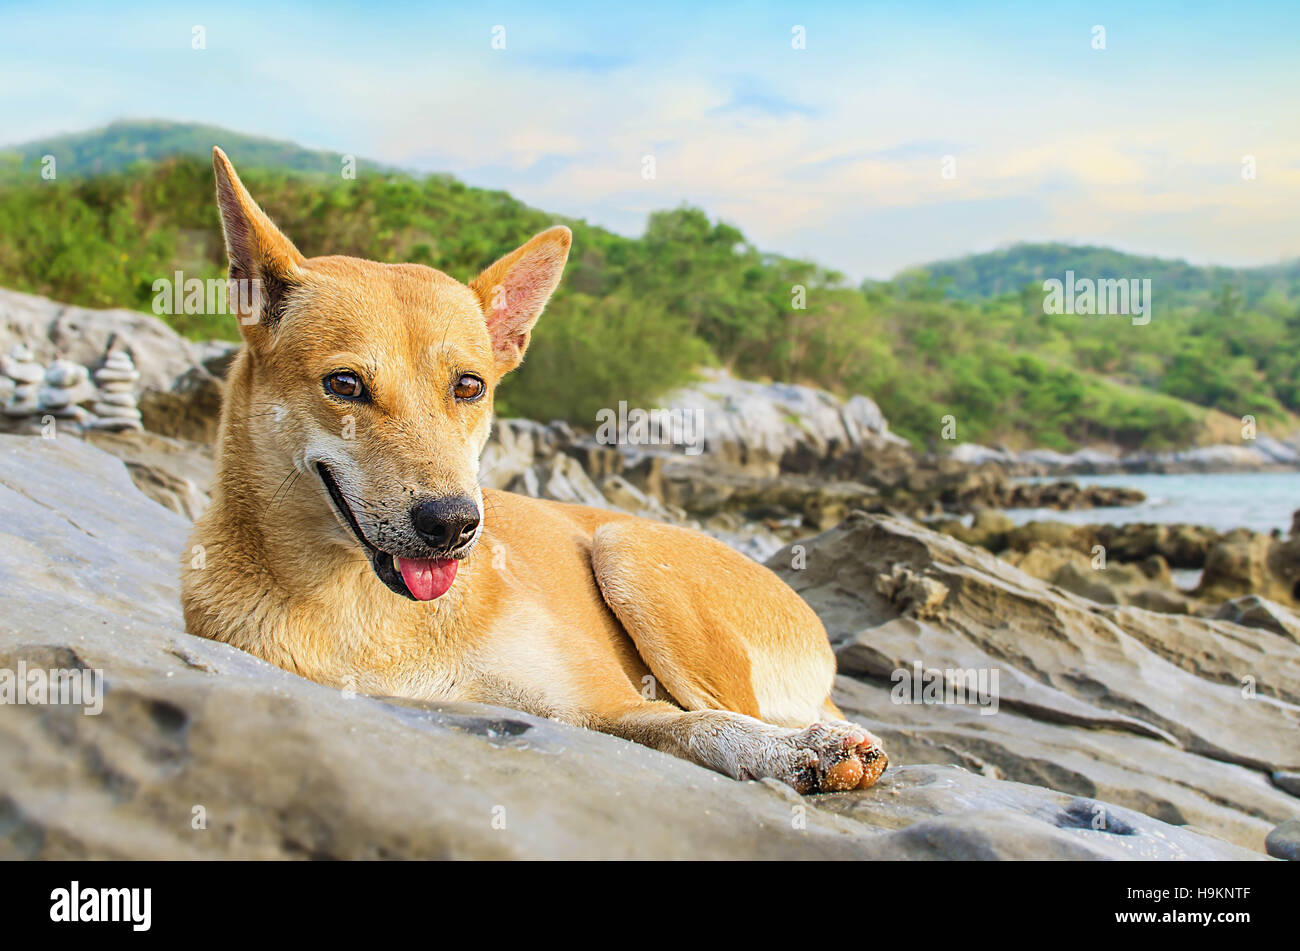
{"x":448,"y":527}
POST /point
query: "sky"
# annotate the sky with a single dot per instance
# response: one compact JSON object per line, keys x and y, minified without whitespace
{"x":899,"y":133}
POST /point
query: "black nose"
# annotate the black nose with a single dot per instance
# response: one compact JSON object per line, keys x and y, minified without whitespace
{"x":445,"y":523}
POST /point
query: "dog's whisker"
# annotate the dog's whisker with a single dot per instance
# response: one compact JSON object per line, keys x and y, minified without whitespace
{"x":283,"y":482}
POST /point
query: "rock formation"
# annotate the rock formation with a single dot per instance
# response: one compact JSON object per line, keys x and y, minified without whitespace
{"x":1179,"y":717}
{"x":202,"y":751}
{"x":66,"y":385}
{"x":24,"y":375}
{"x":116,"y":405}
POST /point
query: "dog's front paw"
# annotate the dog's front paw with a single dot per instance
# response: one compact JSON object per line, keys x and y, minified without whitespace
{"x":832,"y":757}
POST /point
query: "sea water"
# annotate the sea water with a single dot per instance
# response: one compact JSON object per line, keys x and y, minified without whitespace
{"x":1260,"y":501}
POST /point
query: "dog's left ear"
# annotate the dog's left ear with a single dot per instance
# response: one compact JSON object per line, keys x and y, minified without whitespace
{"x":514,"y":290}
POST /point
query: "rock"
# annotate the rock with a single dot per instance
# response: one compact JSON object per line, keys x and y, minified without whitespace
{"x":973,"y":454}
{"x":1266,"y":453}
{"x":1064,"y":495}
{"x":1046,"y":561}
{"x":1182,"y":546}
{"x":1165,"y":602}
{"x":64,"y":374}
{"x":623,"y":494}
{"x":116,"y":405}
{"x":913,"y":594}
{"x":1284,"y":841}
{"x":189,"y":409}
{"x":113,"y":411}
{"x":1175,"y":716}
{"x":176,"y":493}
{"x":1147,"y":584}
{"x":1033,"y":535}
{"x":1288,"y":781}
{"x":21,"y":366}
{"x":1254,"y":611}
{"x":767,"y":428}
{"x":1243,"y":563}
{"x":178,"y":394}
{"x":24,"y":375}
{"x":118,"y":399}
{"x":82,"y":335}
{"x":191,"y":462}
{"x":1015,"y":820}
{"x":988,"y":529}
{"x":801,"y":501}
{"x":286,"y":768}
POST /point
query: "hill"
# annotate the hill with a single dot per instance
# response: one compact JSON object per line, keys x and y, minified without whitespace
{"x":978,"y":276}
{"x":121,"y":144}
{"x":635,"y":316}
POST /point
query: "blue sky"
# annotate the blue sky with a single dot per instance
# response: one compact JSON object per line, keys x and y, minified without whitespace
{"x":834,"y":152}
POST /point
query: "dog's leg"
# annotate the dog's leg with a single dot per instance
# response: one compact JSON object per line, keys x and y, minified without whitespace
{"x":823,"y":757}
{"x":735,"y":647}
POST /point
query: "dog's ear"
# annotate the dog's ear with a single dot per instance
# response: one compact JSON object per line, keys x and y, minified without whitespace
{"x":259,"y":254}
{"x":514,"y":290}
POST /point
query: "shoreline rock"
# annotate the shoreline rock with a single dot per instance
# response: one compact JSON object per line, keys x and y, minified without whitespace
{"x":286,"y":768}
{"x":1262,"y":454}
{"x":1143,"y":709}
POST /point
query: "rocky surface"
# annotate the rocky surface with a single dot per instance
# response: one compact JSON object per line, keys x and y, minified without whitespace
{"x":179,"y":395}
{"x":769,"y":428}
{"x":202,"y":751}
{"x":1179,"y":717}
{"x":1260,"y":454}
{"x":1284,"y":841}
{"x":1244,"y":576}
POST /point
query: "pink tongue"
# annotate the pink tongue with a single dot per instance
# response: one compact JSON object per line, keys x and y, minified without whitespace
{"x":427,"y":578}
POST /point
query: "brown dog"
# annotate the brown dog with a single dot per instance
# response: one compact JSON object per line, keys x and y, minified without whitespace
{"x":348,"y":539}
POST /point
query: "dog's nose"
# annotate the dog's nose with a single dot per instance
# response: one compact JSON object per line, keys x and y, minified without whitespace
{"x":446,"y":523}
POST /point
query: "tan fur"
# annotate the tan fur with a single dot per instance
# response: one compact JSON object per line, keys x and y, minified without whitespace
{"x":596,"y":618}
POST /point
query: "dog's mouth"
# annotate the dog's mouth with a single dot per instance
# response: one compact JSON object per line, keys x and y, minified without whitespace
{"x":419,"y":579}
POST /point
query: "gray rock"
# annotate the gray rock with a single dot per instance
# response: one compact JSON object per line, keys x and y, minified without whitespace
{"x":268,"y":765}
{"x":757,"y":426}
{"x":1175,"y":716}
{"x":115,"y":411}
{"x":177,"y":393}
{"x":65,"y":374}
{"x":1254,"y":611}
{"x":117,"y":398}
{"x":1288,"y":781}
{"x":1284,"y":841}
{"x":82,"y":335}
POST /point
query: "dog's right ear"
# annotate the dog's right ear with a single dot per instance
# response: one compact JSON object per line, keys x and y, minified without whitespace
{"x":263,"y":260}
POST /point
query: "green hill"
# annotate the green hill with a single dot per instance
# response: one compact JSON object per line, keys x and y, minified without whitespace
{"x":1007,"y":271}
{"x":636,"y":316}
{"x":121,"y":144}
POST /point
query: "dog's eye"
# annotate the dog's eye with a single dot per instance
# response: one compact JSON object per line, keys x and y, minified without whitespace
{"x":346,"y":385}
{"x":469,"y":388}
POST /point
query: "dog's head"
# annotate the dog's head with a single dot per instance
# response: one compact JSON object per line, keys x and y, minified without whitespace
{"x":376,"y":382}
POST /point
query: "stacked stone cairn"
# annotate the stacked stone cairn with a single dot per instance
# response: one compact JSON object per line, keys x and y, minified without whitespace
{"x":22,"y":377}
{"x":116,"y":406}
{"x":66,"y":385}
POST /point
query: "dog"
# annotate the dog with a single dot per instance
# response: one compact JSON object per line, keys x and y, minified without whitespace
{"x":348,"y":539}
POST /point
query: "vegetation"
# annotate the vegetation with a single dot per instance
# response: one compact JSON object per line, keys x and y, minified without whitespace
{"x":635,"y":317}
{"x":120,"y":145}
